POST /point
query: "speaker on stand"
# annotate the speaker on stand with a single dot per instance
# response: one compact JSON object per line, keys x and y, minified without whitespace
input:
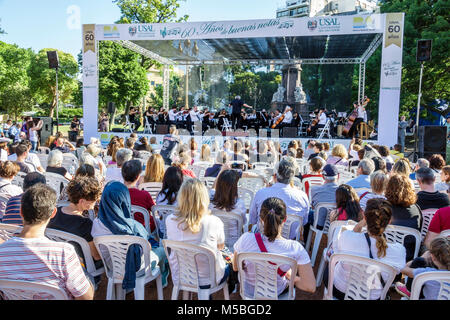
{"x":432,"y":140}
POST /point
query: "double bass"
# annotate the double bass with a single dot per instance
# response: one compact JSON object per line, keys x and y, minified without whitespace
{"x":352,"y":117}
{"x":280,"y":119}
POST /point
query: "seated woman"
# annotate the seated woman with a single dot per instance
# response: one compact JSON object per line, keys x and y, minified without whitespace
{"x":114,"y":218}
{"x":437,"y":259}
{"x":183,"y":163}
{"x":95,"y":150}
{"x":444,"y":185}
{"x":172,"y":181}
{"x":371,"y":245}
{"x":205,"y":154}
{"x":347,"y":205}
{"x":378,"y":184}
{"x":225,"y":197}
{"x":154,"y":171}
{"x":405,"y":211}
{"x":54,"y":164}
{"x":316,"y":164}
{"x":338,"y":156}
{"x":83,"y":192}
{"x":193,"y":223}
{"x":143,"y":145}
{"x":272,"y":216}
{"x":113,"y":147}
{"x":85,"y":170}
{"x":8,"y":170}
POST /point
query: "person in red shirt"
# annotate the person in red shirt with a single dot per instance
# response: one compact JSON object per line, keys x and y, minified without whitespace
{"x":131,"y":172}
{"x":347,"y":205}
{"x":439,"y":223}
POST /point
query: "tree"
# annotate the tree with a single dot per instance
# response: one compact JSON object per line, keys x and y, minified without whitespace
{"x":148,"y":11}
{"x":43,"y":79}
{"x":424,"y":19}
{"x":121,"y":77}
{"x":15,"y":95}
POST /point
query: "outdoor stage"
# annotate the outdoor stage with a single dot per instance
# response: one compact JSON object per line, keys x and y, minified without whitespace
{"x":348,"y":39}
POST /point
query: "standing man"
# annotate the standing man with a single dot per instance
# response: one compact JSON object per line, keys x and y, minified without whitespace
{"x":236,"y":107}
{"x":402,"y":125}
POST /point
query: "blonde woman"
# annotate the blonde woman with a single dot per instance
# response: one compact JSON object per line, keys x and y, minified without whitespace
{"x":94,"y":150}
{"x":154,"y":171}
{"x":205,"y":154}
{"x":183,"y":163}
{"x":378,"y":184}
{"x":339,"y":156}
{"x":194,"y":224}
{"x":402,"y":167}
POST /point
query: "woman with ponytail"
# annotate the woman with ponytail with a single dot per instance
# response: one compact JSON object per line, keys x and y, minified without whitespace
{"x":371,"y":244}
{"x":272,"y":217}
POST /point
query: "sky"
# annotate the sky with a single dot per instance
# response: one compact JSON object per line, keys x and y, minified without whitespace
{"x":56,"y":24}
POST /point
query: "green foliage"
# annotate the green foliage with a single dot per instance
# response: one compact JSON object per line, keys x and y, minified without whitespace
{"x":424,"y":19}
{"x":121,"y":77}
{"x":43,"y":79}
{"x":65,"y":114}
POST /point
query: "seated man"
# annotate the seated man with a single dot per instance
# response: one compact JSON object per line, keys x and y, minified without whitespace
{"x":22,"y":154}
{"x":365,"y":169}
{"x":296,"y":200}
{"x":428,"y":197}
{"x":115,"y":173}
{"x":30,"y":256}
{"x":421,"y":163}
{"x":32,"y":158}
{"x":439,"y":223}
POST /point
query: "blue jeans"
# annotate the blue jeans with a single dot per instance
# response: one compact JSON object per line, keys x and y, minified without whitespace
{"x":33,"y":146}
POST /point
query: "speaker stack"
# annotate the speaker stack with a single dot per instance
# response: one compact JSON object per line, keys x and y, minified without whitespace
{"x":290,"y":132}
{"x":432,"y":140}
{"x":423,"y":50}
{"x":47,"y":128}
{"x":162,"y":129}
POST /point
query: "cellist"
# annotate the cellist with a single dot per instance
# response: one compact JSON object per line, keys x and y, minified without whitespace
{"x":360,"y":110}
{"x":322,"y":120}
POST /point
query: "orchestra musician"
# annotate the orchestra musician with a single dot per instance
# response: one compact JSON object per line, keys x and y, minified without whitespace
{"x":133,"y":116}
{"x":150,"y":115}
{"x":320,"y":122}
{"x":222,"y":115}
{"x":264,"y":118}
{"x":295,"y":120}
{"x":360,"y":110}
{"x":172,"y":114}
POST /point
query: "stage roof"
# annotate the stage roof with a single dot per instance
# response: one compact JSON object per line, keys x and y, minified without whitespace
{"x":353,"y":48}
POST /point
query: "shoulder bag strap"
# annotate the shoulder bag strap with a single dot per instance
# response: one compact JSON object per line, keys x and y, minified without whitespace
{"x":371,"y":256}
{"x":262,"y":247}
{"x":363,"y":195}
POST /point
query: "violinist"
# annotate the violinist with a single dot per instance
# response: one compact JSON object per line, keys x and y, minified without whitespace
{"x":319,"y":122}
{"x":222,"y":115}
{"x":150,"y":115}
{"x":287,"y":120}
{"x":263,"y":118}
{"x":133,"y":116}
{"x":172,"y":116}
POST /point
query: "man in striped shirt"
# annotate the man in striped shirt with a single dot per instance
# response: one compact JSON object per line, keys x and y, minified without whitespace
{"x":12,"y":211}
{"x":30,"y":256}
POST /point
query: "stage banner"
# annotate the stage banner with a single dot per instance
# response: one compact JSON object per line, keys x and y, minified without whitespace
{"x":90,"y":82}
{"x":281,"y":27}
{"x":390,"y":79}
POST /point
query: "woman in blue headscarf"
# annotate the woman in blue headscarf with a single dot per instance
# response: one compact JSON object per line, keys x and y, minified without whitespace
{"x":114,"y":218}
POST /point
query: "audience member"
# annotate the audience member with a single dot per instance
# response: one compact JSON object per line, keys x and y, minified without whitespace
{"x":378,"y":183}
{"x":8,"y":170}
{"x":365,"y":169}
{"x":439,"y":223}
{"x":421,"y":163}
{"x":315,"y":166}
{"x":54,"y":164}
{"x":272,"y":217}
{"x":428,"y":197}
{"x":30,"y":256}
{"x":347,"y":205}
{"x":444,"y":185}
{"x":154,"y":171}
{"x":22,"y":154}
{"x":339,"y":156}
{"x":115,"y":174}
{"x":172,"y":181}
{"x":169,"y":145}
{"x":437,"y":162}
{"x":183,"y":163}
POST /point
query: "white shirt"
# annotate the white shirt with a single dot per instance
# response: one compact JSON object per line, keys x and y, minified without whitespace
{"x":288,"y":248}
{"x":323,"y":118}
{"x":172,"y":115}
{"x":7,"y":190}
{"x":351,"y":242}
{"x":361,"y":112}
{"x":3,"y":155}
{"x":287,"y":117}
{"x":211,"y":235}
{"x":194,"y":116}
{"x":295,"y":199}
{"x":113,"y":174}
{"x":31,"y":158}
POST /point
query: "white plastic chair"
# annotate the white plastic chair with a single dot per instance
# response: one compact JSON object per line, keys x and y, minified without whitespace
{"x":397,"y":234}
{"x":56,"y":181}
{"x":151,"y":187}
{"x":262,"y":165}
{"x":208,"y":181}
{"x":290,"y":220}
{"x":145,"y":213}
{"x":145,"y":155}
{"x":443,"y":277}
{"x":298,"y":183}
{"x":186,"y":255}
{"x":253,"y":184}
{"x":445,"y":233}
{"x":18,"y":179}
{"x":247,"y":196}
{"x":199,"y":171}
{"x":160,"y":214}
{"x":226,"y":125}
{"x":345,"y":176}
{"x":318,"y":233}
{"x":325,"y":129}
{"x":4,"y":200}
{"x":427,"y":216}
{"x":312,"y":181}
{"x":61,"y":236}
{"x":265,"y":268}
{"x":27,"y":290}
{"x":231,"y":221}
{"x":364,"y":276}
{"x":128,"y":125}
{"x":334,"y":226}
{"x":117,"y":247}
{"x":148,"y":127}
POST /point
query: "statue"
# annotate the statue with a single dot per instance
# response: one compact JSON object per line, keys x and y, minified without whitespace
{"x":300,"y":95}
{"x":279,"y":95}
{"x":201,"y":97}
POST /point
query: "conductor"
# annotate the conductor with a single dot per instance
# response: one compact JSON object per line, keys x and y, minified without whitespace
{"x":236,"y":105}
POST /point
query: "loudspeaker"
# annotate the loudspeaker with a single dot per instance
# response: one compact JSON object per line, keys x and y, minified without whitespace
{"x":432,"y":140}
{"x":423,"y":50}
{"x":162,"y":129}
{"x":53,"y":61}
{"x":111,"y":107}
{"x":290,"y":132}
{"x":47,"y":128}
